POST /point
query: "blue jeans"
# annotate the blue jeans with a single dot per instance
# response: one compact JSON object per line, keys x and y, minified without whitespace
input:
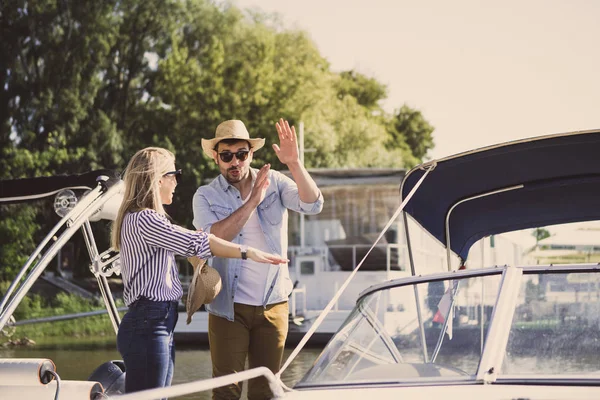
{"x":145,"y":341}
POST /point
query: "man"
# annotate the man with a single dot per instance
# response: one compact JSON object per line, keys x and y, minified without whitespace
{"x":247,"y":206}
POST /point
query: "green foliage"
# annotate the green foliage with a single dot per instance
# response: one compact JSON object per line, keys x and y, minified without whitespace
{"x":540,"y":234}
{"x":367,"y":91}
{"x":550,"y":324}
{"x":97,"y":325}
{"x":411,"y":128}
{"x":34,"y":306}
{"x":17,"y":233}
{"x":86,"y":83}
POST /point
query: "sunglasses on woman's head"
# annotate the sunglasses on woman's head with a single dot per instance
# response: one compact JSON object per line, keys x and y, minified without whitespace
{"x":227,"y":156}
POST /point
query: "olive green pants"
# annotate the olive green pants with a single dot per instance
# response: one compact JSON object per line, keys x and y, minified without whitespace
{"x":256,"y":332}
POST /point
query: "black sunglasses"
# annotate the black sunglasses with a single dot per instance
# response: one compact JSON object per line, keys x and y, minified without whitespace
{"x":176,"y":174}
{"x":227,"y":156}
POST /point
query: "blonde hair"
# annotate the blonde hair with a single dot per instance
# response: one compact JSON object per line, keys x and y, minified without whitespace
{"x":142,"y":174}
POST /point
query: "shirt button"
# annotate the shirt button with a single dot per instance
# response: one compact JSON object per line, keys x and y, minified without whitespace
{"x":240,"y":234}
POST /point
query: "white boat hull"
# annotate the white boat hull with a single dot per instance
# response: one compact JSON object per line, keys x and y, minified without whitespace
{"x":463,"y":392}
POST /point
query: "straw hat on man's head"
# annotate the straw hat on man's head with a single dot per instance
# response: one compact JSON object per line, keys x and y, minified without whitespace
{"x":232,"y":129}
{"x":204,"y":287}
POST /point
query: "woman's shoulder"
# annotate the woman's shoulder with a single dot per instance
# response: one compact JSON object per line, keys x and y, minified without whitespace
{"x":146,"y":215}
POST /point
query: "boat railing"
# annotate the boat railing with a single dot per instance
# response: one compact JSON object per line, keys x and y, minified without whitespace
{"x":293,"y":301}
{"x":277,"y":388}
{"x":396,"y":256}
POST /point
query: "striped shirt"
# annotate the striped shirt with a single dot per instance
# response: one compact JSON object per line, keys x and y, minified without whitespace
{"x":149,"y":242}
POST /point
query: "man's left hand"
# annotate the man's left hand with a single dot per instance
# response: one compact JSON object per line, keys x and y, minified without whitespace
{"x":287,"y":151}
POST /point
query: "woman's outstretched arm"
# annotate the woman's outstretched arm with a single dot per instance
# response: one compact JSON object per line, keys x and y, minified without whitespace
{"x":225,"y":249}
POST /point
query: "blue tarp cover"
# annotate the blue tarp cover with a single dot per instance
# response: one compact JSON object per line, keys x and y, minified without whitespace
{"x":560,"y":175}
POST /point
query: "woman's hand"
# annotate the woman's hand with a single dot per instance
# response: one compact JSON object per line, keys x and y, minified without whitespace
{"x":262,"y":257}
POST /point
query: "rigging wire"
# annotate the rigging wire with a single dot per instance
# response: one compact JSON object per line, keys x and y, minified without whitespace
{"x":335,"y":298}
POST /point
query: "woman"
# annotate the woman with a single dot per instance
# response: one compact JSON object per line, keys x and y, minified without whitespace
{"x":148,"y":243}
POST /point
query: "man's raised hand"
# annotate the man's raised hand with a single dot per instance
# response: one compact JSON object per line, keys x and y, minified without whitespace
{"x":287,"y":151}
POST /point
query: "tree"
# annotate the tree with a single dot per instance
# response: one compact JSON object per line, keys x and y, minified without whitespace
{"x":86,"y":83}
{"x":54,"y":62}
{"x":540,"y":234}
{"x":410,"y":127}
{"x":368,"y":92}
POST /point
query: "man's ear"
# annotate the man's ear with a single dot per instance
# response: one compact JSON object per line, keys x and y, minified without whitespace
{"x":215,"y":155}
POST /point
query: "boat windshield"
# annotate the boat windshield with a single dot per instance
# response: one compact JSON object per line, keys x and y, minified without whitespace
{"x":556,"y":325}
{"x":436,"y":330}
{"x":421,"y":331}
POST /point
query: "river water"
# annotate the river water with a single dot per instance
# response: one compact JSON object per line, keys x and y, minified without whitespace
{"x":190,"y":365}
{"x":76,"y":360}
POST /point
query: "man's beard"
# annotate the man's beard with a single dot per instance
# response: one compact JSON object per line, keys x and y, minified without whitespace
{"x":234,"y":178}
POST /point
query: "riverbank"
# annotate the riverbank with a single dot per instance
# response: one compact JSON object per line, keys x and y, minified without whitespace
{"x":91,"y":342}
{"x":35,"y":307}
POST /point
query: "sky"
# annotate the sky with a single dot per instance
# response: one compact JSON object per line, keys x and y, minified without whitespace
{"x":481,"y":72}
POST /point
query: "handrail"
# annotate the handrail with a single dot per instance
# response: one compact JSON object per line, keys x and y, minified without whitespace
{"x":65,"y":317}
{"x":105,"y":291}
{"x":447,"y":225}
{"x":207,"y":384}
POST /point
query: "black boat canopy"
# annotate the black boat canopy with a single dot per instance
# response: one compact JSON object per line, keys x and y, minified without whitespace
{"x":559,"y":174}
{"x":27,"y":189}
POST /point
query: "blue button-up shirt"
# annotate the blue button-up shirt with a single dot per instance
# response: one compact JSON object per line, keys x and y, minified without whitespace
{"x":217,"y":200}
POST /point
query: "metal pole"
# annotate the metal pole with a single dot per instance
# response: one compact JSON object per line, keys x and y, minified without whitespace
{"x":417,"y":298}
{"x":448,"y":248}
{"x":301,"y":155}
{"x":388,"y":255}
{"x":105,"y":291}
{"x":482,"y":305}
